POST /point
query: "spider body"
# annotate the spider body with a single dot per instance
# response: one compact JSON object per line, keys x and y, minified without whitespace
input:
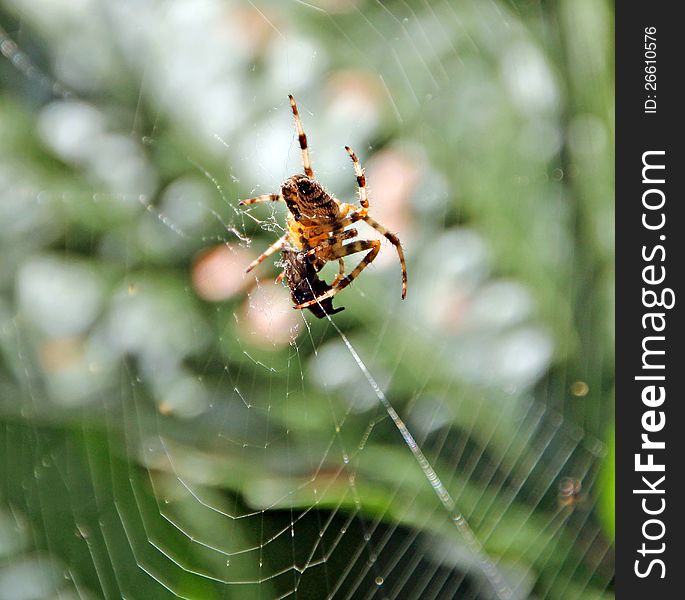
{"x":308,"y":201}
{"x":311,"y":211}
{"x":570,"y":492}
{"x":317,"y":226}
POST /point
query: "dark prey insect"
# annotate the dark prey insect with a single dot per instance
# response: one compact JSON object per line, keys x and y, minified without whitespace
{"x":304,"y":283}
{"x":317,"y":224}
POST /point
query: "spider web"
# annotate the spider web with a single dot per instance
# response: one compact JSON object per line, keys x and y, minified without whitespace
{"x":173,"y":428}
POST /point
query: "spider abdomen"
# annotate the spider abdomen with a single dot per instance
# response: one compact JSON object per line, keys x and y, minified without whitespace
{"x":307,"y":200}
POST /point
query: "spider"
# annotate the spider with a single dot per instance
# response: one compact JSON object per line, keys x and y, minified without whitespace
{"x":570,"y":492}
{"x":304,"y":282}
{"x":317,"y":224}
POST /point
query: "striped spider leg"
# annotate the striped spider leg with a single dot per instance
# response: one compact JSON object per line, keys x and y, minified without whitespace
{"x":302,"y":138}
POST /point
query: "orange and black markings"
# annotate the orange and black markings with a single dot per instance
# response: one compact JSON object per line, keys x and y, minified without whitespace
{"x":317,"y":232}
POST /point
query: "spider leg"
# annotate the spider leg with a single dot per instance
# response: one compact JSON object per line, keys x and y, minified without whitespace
{"x":373,"y":246}
{"x":355,"y":217}
{"x":361,"y":179}
{"x":334,"y":239}
{"x":341,"y":272}
{"x":262,"y":198}
{"x":395,"y":241}
{"x":280,"y":277}
{"x":345,"y":208}
{"x":277,"y":245}
{"x":302,"y":138}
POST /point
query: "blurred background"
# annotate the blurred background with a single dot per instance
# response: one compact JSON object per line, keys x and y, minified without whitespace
{"x":172,"y":428}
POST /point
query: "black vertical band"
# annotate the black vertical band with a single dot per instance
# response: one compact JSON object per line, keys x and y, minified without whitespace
{"x":650,"y":430}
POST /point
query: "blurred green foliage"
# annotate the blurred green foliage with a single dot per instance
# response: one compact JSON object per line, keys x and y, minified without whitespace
{"x":139,"y":417}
